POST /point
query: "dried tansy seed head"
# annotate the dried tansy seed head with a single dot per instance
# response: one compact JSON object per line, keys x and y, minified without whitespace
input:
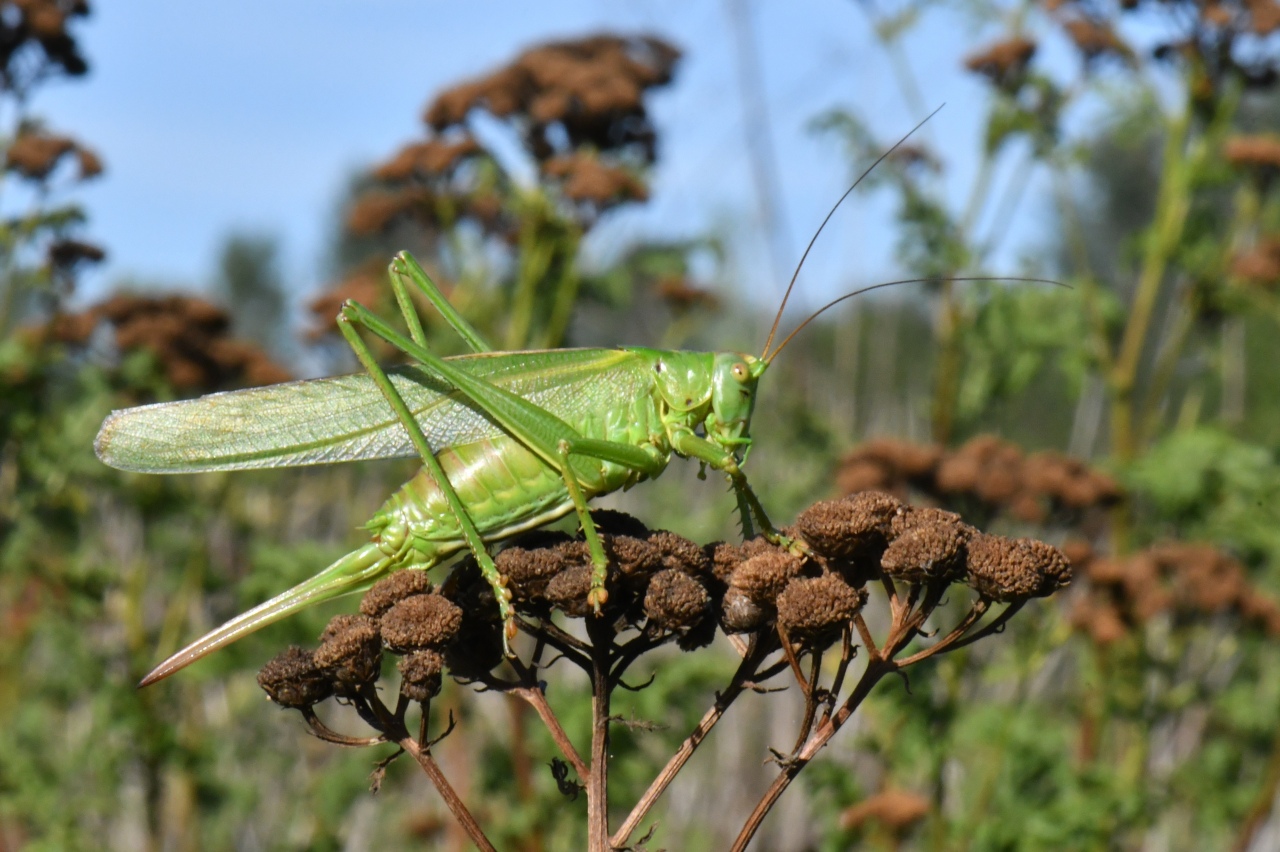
{"x":1253,"y":151}
{"x":813,"y":608}
{"x":351,"y":650}
{"x":1006,"y":569}
{"x":763,"y":577}
{"x":529,"y":571}
{"x":590,"y":89}
{"x":676,"y":601}
{"x":928,"y":544}
{"x":421,"y":674}
{"x":1100,"y":620}
{"x":631,"y":556}
{"x":724,"y":557}
{"x":1003,"y":61}
{"x":679,"y":553}
{"x":467,"y":589}
{"x":421,"y":621}
{"x":567,"y":591}
{"x":392,"y":589}
{"x":740,"y":614}
{"x":854,"y":527}
{"x":584,"y":178}
{"x":292,"y":679}
{"x":912,"y":517}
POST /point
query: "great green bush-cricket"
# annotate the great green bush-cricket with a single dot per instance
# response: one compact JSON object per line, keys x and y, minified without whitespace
{"x":509,"y":440}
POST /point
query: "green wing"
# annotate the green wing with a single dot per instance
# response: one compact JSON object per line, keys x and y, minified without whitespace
{"x":346,"y":418}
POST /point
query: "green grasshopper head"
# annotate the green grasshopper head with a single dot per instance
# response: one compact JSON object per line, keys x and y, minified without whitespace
{"x":733,"y":396}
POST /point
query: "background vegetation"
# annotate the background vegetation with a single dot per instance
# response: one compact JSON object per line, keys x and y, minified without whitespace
{"x":1139,"y":711}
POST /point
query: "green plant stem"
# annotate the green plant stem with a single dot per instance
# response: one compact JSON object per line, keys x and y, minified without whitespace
{"x":1172,"y":205}
{"x":1165,"y":368}
{"x":1262,"y":803}
{"x":568,"y":283}
{"x":1089,"y":291}
{"x":950,"y":357}
{"x":535,"y":258}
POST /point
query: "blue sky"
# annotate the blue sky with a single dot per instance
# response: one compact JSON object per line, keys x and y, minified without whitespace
{"x":250,"y":116}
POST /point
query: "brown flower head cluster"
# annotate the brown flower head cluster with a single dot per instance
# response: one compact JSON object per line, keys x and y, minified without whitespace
{"x":1189,"y":581}
{"x":896,"y":810}
{"x":1263,"y":16}
{"x":664,"y":588}
{"x":36,"y":153}
{"x":1257,"y":151}
{"x":579,"y":109}
{"x":432,"y":183}
{"x":1259,"y":266}
{"x":34,"y":36}
{"x":681,"y":294}
{"x":584,"y":179}
{"x":1258,"y":155}
{"x":427,"y":159}
{"x":590,"y":90}
{"x":988,"y":470}
{"x":367,"y":284}
{"x":1096,"y":39}
{"x":188,"y":336}
{"x":1003,"y":63}
{"x":1219,"y":40}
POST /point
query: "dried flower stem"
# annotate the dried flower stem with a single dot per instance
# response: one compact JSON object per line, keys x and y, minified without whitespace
{"x":324,"y":732}
{"x":758,"y":649}
{"x":598,"y":778}
{"x":394,"y":730}
{"x":952,"y":639}
{"x":905,"y":625}
{"x":876,"y":669}
{"x":537,"y":699}
{"x":532,"y":693}
{"x":446,"y":791}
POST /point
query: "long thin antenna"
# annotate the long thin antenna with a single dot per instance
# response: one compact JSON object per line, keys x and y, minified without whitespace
{"x":813,"y":316}
{"x":773,"y":330}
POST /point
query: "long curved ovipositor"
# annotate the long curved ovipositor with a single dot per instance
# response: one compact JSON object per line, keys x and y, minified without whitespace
{"x":355,"y":572}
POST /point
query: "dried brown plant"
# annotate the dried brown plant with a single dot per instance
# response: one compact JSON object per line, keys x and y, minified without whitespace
{"x":35,"y":41}
{"x":189,"y":337}
{"x":593,"y":88}
{"x":1257,"y":151}
{"x":36,"y":153}
{"x":988,"y":470}
{"x":1004,"y":62}
{"x":1259,"y":266}
{"x":1187,"y":581}
{"x":785,"y":608}
{"x":897,"y":810}
{"x":1096,"y":39}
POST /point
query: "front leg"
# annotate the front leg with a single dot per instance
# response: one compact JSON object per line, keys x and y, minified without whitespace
{"x":685,"y":442}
